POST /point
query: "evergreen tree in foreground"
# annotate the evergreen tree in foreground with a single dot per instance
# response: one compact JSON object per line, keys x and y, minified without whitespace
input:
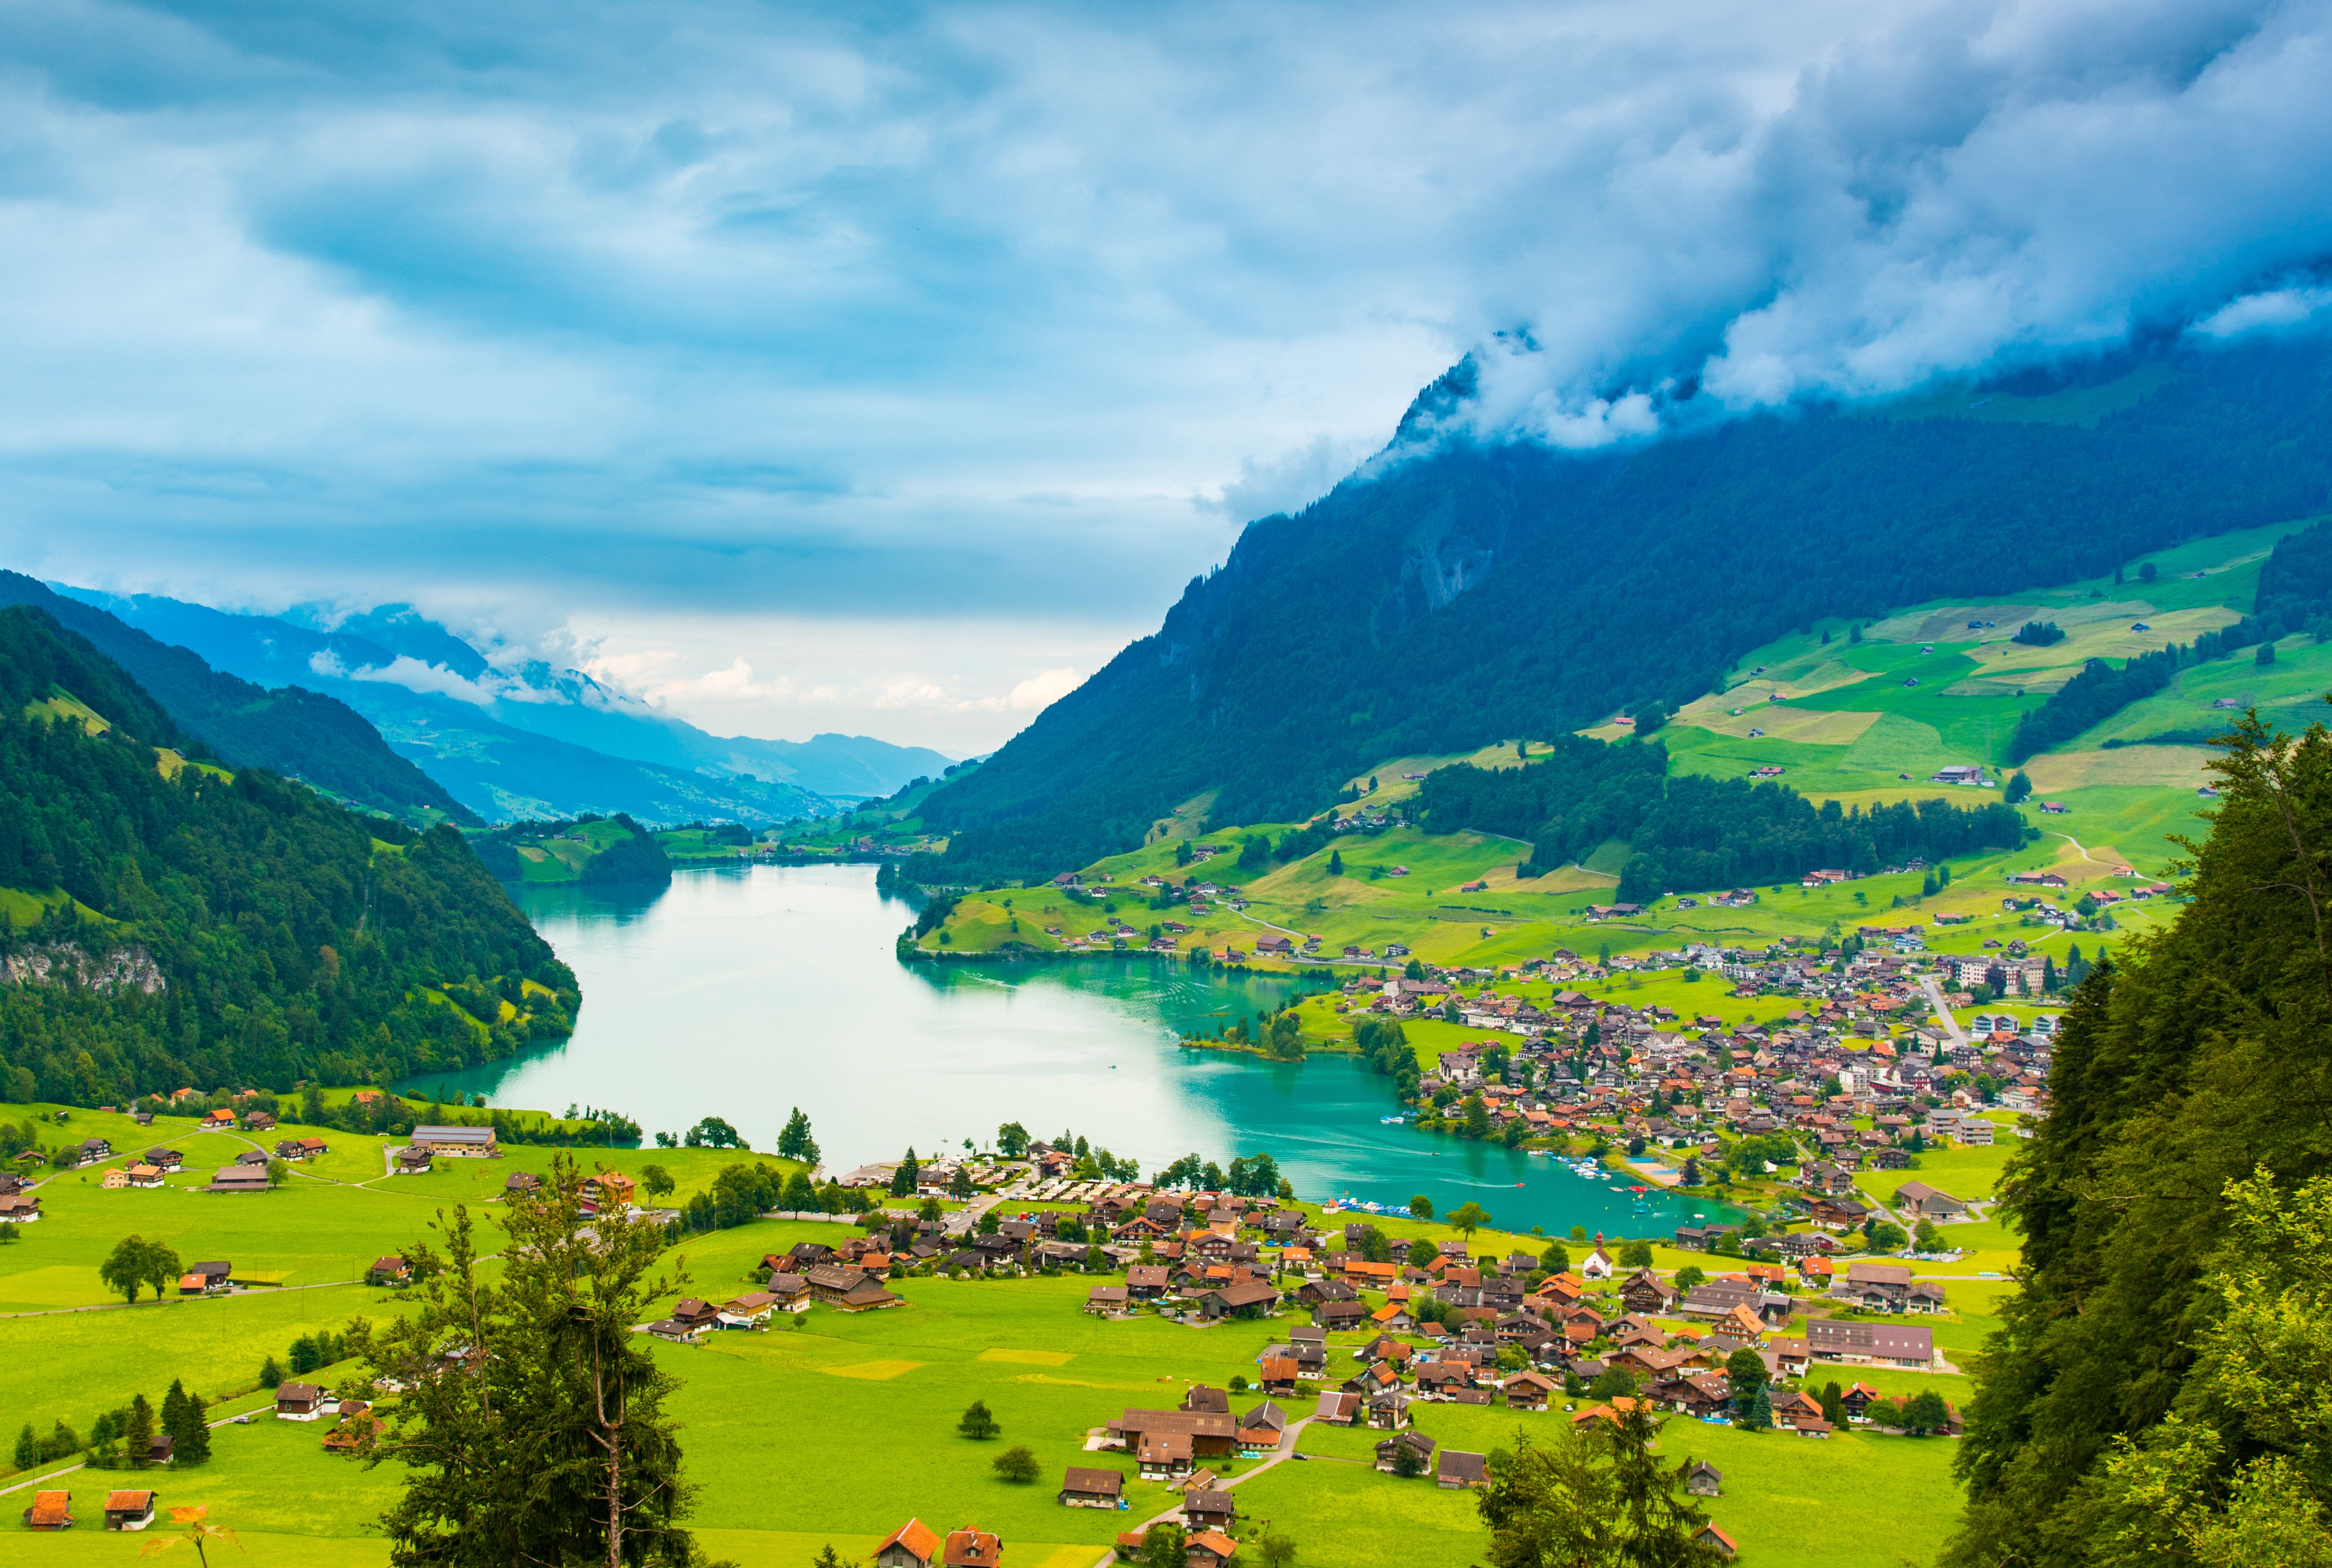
{"x":532,"y":1427}
{"x":2162,"y":1358}
{"x":1596,"y":1493}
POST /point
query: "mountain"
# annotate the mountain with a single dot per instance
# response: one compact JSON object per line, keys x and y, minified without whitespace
{"x":296,"y":732}
{"x":1455,"y":591}
{"x":441,"y":702}
{"x":168,"y":923}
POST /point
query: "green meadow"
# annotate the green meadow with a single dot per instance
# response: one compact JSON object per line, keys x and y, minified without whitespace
{"x":834,"y":1429}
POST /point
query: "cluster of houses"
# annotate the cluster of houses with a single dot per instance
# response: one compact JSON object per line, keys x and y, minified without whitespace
{"x":1551,"y":1065}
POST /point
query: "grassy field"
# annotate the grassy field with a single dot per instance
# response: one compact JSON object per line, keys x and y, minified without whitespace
{"x":888,"y":1386}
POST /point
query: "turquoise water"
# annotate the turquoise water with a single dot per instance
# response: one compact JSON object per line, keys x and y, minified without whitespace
{"x":743,"y":992}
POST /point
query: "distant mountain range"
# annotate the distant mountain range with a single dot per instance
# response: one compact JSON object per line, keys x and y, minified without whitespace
{"x":301,"y":734}
{"x":524,"y":743}
{"x":1455,"y":591}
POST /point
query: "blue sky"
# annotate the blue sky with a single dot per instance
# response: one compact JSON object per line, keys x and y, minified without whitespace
{"x":885,"y":370}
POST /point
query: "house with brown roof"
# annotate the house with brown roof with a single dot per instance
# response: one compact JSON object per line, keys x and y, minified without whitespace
{"x":1209,"y":1509}
{"x":1262,"y":1429}
{"x":129,"y":1509}
{"x":1458,"y":1471}
{"x":972,"y":1548}
{"x":1528,"y":1391}
{"x":913,"y":1544}
{"x":391,"y":1270}
{"x":1091,"y":1489}
{"x":1918,"y":1201}
{"x":299,"y":1401}
{"x":846,"y":1289}
{"x":1162,"y":1455}
{"x":1207,"y":1549}
{"x":50,"y":1511}
{"x":358,"y":1430}
{"x":1412,"y":1442}
{"x":1338,"y":1409}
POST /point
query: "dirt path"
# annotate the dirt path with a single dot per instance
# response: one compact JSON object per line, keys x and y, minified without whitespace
{"x":1286,"y":1451}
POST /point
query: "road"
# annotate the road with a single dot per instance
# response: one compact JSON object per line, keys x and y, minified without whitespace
{"x":1935,"y":990}
{"x":1286,"y":1451}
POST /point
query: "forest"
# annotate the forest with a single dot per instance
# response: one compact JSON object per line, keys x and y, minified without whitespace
{"x":1691,"y":833}
{"x":259,"y":934}
{"x":1458,"y":593}
{"x":2156,"y":1394}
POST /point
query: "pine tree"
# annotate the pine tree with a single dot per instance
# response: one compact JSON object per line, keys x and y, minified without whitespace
{"x":555,"y":1444}
{"x":174,"y":1411}
{"x":271,"y":1373}
{"x":1761,"y":1410}
{"x":28,"y":1448}
{"x":1335,"y":862}
{"x":138,"y":1435}
{"x":194,"y":1438}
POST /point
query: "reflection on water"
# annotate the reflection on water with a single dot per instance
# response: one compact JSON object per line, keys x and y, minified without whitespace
{"x":745,"y":992}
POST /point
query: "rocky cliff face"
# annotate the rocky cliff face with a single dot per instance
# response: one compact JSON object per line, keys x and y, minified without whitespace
{"x":128,"y":968}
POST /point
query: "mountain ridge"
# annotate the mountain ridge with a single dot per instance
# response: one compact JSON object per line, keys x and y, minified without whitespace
{"x":350,"y":657}
{"x":1436,"y":602}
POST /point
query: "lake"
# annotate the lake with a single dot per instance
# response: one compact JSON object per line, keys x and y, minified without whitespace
{"x":743,"y":992}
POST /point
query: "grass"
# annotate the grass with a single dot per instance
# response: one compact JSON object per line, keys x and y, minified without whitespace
{"x":883,"y":1388}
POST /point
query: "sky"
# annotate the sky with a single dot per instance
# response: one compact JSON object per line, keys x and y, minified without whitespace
{"x":885,"y":369}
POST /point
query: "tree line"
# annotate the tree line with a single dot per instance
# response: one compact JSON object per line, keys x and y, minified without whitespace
{"x":1691,"y":831}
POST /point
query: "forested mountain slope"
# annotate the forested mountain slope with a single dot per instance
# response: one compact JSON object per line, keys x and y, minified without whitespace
{"x":296,"y":732}
{"x":197,"y":929}
{"x":1432,"y":604}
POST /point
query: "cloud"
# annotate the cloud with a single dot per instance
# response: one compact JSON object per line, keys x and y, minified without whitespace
{"x":1038,"y":692}
{"x":2269,"y":310}
{"x":593,"y":316}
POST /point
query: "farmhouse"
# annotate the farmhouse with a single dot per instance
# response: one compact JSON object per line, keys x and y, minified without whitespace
{"x":1087,"y":1488}
{"x":299,"y":1401}
{"x":1921,"y":1202}
{"x":129,"y":1510}
{"x":1872,"y":1344}
{"x":846,"y":1289}
{"x":474,"y":1142}
{"x":50,"y":1511}
{"x":913,"y":1544}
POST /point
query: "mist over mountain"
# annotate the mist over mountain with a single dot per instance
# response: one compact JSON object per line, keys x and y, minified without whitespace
{"x":1458,"y":591}
{"x":534,"y":740}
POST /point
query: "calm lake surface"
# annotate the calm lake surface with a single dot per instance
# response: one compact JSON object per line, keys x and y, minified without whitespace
{"x":743,"y":992}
